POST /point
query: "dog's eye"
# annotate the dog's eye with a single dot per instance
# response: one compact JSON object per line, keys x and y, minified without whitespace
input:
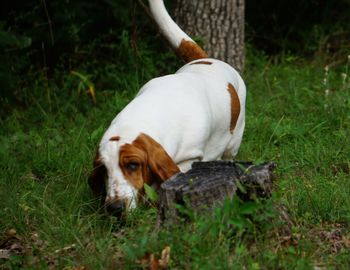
{"x":132,"y":166}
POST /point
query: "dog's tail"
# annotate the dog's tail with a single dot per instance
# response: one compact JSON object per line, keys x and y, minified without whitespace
{"x":183,"y":45}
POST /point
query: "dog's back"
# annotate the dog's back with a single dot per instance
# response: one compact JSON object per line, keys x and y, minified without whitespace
{"x":191,"y":109}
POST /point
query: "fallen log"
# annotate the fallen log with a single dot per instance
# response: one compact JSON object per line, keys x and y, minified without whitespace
{"x":208,"y":184}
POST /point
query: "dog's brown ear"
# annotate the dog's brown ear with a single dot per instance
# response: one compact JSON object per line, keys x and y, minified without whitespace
{"x":97,"y":177}
{"x":158,"y":160}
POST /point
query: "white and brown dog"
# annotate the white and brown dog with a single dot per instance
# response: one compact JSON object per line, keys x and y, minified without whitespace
{"x":196,"y":114}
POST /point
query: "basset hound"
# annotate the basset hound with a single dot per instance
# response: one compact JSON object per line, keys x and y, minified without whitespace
{"x":196,"y":114}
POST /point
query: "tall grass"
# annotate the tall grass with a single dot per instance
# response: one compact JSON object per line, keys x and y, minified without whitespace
{"x":298,"y":114}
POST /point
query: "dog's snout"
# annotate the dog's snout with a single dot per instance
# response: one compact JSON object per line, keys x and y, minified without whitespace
{"x":115,"y":208}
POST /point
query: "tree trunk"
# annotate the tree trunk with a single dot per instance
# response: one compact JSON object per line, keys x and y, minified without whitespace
{"x":208,"y":184}
{"x":220,"y":23}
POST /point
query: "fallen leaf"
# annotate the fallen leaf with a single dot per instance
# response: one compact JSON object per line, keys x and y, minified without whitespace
{"x":11,"y":232}
{"x":77,"y":268}
{"x":153,"y":263}
{"x":165,"y":258}
{"x":66,"y":248}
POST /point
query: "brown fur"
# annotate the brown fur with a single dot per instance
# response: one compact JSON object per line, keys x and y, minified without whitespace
{"x":235,"y":106}
{"x":154,"y":164}
{"x":115,"y":138}
{"x":202,"y":63}
{"x":189,"y":51}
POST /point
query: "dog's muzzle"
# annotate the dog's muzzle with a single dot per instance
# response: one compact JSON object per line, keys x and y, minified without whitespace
{"x":115,"y":208}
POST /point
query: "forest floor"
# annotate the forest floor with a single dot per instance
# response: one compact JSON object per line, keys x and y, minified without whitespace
{"x":298,"y":115}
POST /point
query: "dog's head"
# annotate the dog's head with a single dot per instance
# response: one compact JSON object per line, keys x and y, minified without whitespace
{"x":121,"y":169}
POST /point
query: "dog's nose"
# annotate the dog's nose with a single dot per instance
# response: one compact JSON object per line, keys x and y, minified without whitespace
{"x":115,"y":208}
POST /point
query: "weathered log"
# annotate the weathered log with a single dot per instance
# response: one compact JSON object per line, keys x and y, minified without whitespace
{"x":208,"y":184}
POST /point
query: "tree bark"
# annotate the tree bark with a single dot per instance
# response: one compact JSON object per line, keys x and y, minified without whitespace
{"x":220,"y":23}
{"x":208,"y":184}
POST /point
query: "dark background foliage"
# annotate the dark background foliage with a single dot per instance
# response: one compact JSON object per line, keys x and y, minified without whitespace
{"x":297,"y":26}
{"x":40,"y":36}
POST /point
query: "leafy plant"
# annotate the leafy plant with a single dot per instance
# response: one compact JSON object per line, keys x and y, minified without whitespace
{"x":84,"y":83}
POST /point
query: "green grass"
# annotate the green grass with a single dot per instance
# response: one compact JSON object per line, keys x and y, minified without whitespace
{"x":298,"y":115}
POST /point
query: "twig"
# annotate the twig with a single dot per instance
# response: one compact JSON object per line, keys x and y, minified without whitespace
{"x":147,"y":10}
{"x":49,"y":22}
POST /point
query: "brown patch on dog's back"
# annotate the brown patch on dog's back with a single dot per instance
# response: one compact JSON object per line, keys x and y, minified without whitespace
{"x":189,"y":51}
{"x":235,"y":106}
{"x":202,"y":63}
{"x":114,"y":138}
